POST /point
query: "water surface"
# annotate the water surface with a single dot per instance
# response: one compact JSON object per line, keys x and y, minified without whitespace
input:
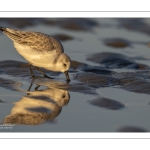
{"x":109,"y":88}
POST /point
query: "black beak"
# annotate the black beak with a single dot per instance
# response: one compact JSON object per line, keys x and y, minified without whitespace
{"x":67,"y":75}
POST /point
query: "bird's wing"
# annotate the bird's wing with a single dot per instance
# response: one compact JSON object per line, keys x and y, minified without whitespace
{"x":35,"y":40}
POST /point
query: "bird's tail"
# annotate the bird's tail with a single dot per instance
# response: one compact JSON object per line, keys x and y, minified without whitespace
{"x":11,"y":33}
{"x":2,"y":29}
{"x":8,"y":30}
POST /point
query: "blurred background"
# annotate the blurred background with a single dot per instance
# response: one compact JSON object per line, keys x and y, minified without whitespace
{"x":109,"y":88}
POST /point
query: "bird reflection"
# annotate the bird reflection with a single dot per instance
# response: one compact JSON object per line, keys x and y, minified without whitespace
{"x":38,"y":106}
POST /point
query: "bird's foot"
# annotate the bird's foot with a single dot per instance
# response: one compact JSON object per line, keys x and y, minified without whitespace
{"x":45,"y":76}
{"x":35,"y":77}
{"x":67,"y":81}
{"x":36,"y":88}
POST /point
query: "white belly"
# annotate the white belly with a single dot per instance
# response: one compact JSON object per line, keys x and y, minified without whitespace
{"x":36,"y":58}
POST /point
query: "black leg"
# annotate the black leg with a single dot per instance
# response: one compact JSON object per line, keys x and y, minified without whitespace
{"x":33,"y":76}
{"x":67,"y":81}
{"x":36,"y":88}
{"x":30,"y":87}
{"x":45,"y":76}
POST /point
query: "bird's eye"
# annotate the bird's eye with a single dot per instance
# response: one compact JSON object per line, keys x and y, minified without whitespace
{"x":63,"y":96}
{"x":65,"y":65}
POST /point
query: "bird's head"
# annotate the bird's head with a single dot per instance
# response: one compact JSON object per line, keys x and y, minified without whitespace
{"x":63,"y":64}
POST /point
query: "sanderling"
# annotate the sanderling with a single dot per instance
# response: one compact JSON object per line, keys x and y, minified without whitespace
{"x":40,"y":50}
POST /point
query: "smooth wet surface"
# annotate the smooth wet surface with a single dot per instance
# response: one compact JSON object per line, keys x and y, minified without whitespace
{"x":109,"y":89}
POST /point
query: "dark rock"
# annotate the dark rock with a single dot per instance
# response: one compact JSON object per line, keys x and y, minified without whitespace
{"x":79,"y":24}
{"x":87,"y":68}
{"x":107,"y":103}
{"x":135,"y":24}
{"x":97,"y":69}
{"x":115,"y":60}
{"x":134,"y":81}
{"x":117,"y":43}
{"x":77,"y":65}
{"x":131,"y":129}
{"x":19,"y":22}
{"x":1,"y":101}
{"x":96,"y":80}
{"x":74,"y":24}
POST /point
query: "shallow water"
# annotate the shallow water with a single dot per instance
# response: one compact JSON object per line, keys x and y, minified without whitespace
{"x":109,"y":88}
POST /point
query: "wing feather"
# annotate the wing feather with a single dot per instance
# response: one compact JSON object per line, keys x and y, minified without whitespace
{"x":35,"y":40}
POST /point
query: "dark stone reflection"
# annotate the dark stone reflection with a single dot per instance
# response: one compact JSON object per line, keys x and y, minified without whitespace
{"x":10,"y":84}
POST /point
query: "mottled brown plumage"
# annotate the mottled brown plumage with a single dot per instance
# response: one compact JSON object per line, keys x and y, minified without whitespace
{"x":36,"y":40}
{"x":40,"y":50}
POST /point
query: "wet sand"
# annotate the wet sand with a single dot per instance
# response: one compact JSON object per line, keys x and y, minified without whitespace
{"x":109,"y":88}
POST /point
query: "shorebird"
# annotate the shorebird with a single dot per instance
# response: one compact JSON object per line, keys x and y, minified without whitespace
{"x":40,"y":50}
